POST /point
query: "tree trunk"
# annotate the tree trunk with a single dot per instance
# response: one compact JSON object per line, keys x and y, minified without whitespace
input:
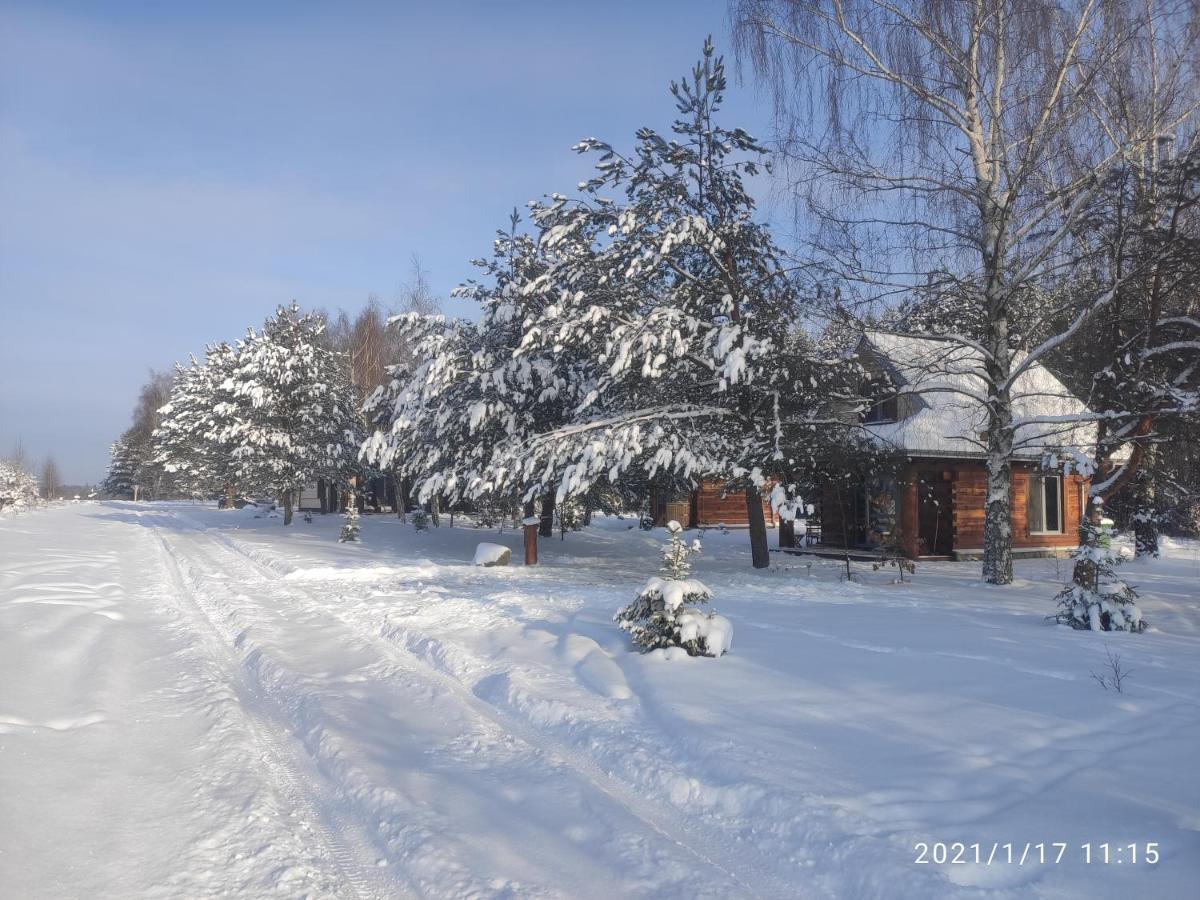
{"x":587,"y":512}
{"x":760,"y":553}
{"x":1086,"y":573}
{"x":287,"y":507}
{"x":401,"y":498}
{"x":230,"y":496}
{"x":546,"y":528}
{"x":1145,"y":508}
{"x":997,"y":522}
{"x":435,"y":511}
{"x":787,"y":533}
{"x":531,"y":536}
{"x":136,"y":490}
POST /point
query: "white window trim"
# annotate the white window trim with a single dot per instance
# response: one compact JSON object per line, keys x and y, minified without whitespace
{"x":1040,"y":479}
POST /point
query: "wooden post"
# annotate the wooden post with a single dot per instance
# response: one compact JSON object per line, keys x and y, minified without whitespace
{"x":531,"y":523}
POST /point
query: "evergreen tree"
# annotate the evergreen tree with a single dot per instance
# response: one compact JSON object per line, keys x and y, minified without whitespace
{"x":350,"y":526}
{"x":121,"y":479}
{"x":191,"y":442}
{"x":1104,"y":602}
{"x":18,"y":487}
{"x":292,"y":416}
{"x":664,"y":615}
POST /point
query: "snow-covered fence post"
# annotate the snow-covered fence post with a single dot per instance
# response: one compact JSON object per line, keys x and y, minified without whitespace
{"x":531,"y":523}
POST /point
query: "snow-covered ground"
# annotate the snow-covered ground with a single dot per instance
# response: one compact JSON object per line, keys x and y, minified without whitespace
{"x":196,"y":703}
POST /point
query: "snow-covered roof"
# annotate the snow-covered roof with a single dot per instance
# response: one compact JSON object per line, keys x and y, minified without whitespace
{"x":940,"y":411}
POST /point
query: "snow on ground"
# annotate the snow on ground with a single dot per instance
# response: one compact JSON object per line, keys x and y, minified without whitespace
{"x":197,"y":703}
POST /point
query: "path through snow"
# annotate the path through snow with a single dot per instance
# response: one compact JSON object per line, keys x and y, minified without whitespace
{"x":197,"y":703}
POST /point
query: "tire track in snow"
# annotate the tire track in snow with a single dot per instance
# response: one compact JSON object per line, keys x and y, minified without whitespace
{"x":204,"y":553}
{"x":670,"y":826}
{"x":286,"y":773}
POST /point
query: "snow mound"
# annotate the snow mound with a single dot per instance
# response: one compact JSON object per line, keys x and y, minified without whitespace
{"x":491,"y":555}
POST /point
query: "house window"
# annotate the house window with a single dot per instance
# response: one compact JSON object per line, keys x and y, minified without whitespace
{"x":884,"y":408}
{"x":1045,"y":504}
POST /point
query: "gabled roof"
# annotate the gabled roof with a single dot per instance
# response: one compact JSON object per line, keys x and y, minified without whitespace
{"x":938,"y":384}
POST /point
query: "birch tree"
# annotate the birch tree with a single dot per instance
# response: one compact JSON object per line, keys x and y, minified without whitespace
{"x":963,"y":145}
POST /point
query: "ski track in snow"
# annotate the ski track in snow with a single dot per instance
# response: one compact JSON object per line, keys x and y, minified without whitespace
{"x":427,"y":728}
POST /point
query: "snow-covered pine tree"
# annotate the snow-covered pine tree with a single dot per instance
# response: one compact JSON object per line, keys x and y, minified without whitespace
{"x":18,"y":487}
{"x":675,"y":302}
{"x":121,"y":479}
{"x":350,"y":527}
{"x":191,"y":441}
{"x":456,"y":421}
{"x":295,"y":418}
{"x":664,"y":613}
{"x":1099,"y":600}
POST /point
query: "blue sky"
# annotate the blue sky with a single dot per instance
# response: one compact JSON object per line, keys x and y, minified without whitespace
{"x":170,"y":172}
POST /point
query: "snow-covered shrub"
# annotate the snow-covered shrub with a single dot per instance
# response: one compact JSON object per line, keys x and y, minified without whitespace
{"x":664,"y":613}
{"x":350,"y":524}
{"x":18,"y":488}
{"x":1102,"y":602}
{"x":420,"y":519}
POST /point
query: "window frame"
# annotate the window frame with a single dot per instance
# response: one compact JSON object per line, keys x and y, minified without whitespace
{"x":885,"y":408}
{"x":1038,"y":481}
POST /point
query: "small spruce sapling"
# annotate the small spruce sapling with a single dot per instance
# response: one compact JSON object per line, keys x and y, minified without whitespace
{"x":350,"y":523}
{"x":1104,"y":602}
{"x":420,"y":519}
{"x":664,"y":614}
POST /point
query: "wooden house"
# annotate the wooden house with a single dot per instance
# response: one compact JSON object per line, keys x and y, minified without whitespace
{"x":928,"y":412}
{"x":710,"y":505}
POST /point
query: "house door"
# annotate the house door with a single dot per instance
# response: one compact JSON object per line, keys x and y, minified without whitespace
{"x":934,"y":521}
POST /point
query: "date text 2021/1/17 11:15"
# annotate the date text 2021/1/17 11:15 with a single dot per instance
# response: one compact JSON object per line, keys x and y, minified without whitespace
{"x":1038,"y":854}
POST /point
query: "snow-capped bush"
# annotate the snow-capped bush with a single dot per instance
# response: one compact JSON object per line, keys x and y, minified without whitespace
{"x":350,"y":523}
{"x":420,"y":519}
{"x":18,"y":488}
{"x":664,"y":615}
{"x":1103,"y":602}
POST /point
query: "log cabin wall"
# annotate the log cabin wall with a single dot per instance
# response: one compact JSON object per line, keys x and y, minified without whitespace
{"x":968,"y":481}
{"x":970,"y":500}
{"x":707,"y":507}
{"x":711,"y":508}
